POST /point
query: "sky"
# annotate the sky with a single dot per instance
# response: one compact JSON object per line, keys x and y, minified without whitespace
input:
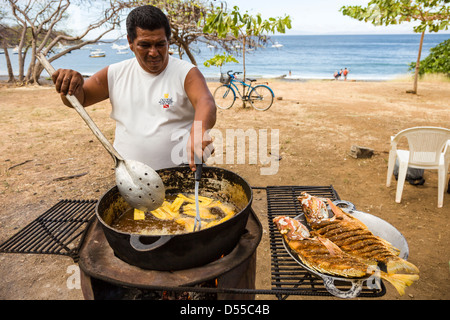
{"x":308,"y":17}
{"x":317,"y":17}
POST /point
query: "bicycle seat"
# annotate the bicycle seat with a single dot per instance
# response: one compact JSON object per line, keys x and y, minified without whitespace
{"x":251,"y":80}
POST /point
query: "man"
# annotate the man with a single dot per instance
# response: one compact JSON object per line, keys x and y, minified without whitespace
{"x":155,"y":98}
{"x":345,"y":73}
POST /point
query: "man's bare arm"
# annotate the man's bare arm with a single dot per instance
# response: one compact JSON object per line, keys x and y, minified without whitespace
{"x":91,"y":91}
{"x":205,"y":112}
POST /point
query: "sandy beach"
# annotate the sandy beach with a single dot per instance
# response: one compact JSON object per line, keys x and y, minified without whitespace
{"x":318,"y":122}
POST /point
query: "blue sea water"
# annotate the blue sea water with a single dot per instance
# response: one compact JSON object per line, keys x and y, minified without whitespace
{"x":368,"y":57}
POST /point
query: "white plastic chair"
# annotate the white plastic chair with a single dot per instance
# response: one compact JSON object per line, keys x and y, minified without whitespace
{"x":429,"y":148}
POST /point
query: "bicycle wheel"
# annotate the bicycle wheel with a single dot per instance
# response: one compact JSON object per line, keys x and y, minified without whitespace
{"x":224,"y":97}
{"x":261,"y":97}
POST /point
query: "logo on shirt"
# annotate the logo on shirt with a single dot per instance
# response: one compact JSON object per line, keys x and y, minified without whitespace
{"x":166,"y":102}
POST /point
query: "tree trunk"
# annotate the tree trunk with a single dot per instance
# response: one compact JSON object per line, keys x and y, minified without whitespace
{"x":244,"y":74}
{"x":189,"y":54}
{"x":31,"y":74}
{"x":8,"y":62}
{"x":22,"y":56}
{"x":416,"y":74}
{"x":243,"y":57}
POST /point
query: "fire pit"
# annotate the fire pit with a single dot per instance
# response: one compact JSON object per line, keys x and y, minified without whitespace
{"x":106,"y":276}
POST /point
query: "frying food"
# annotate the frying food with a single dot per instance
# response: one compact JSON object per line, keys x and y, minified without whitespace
{"x":139,"y":214}
{"x":324,"y":256}
{"x":352,"y":236}
{"x":181,"y":210}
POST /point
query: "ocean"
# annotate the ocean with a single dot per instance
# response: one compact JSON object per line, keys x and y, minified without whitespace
{"x":368,"y":57}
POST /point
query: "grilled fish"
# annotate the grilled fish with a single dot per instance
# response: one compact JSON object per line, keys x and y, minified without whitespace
{"x":318,"y":253}
{"x":352,"y":236}
{"x":324,"y":256}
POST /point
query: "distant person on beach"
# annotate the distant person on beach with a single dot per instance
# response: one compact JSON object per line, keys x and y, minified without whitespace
{"x":336,"y":75}
{"x":158,"y":101}
{"x":345,"y":73}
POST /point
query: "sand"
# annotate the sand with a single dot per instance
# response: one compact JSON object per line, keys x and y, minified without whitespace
{"x":318,"y":122}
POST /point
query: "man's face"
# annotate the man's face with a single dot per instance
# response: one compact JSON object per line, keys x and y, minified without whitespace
{"x":151,"y":48}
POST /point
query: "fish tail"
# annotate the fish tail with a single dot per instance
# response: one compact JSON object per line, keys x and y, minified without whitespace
{"x":400,"y":281}
{"x":398,"y":265}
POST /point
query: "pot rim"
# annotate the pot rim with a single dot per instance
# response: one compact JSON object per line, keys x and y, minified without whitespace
{"x":250,"y":200}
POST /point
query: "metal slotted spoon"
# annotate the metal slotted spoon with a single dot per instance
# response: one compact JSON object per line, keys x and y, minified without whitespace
{"x":139,"y":184}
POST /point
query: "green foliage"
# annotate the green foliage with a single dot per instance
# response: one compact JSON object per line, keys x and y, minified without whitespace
{"x":219,"y":60}
{"x":243,"y":27}
{"x":433,"y":14}
{"x":438,"y":61}
{"x":223,"y":23}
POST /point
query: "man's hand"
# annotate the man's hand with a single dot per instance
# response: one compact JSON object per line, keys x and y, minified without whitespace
{"x":200,"y":145}
{"x":68,"y":82}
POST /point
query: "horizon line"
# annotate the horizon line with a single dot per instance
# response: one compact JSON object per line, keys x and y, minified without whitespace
{"x":359,"y":34}
{"x":333,"y":34}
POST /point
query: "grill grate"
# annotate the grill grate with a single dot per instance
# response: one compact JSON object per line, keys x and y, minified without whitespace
{"x":286,"y":272}
{"x":59,"y":230}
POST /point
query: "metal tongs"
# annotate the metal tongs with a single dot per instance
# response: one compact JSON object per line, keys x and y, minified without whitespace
{"x":198,"y":175}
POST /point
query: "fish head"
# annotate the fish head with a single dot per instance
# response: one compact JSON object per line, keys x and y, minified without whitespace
{"x":314,"y":208}
{"x":291,"y":228}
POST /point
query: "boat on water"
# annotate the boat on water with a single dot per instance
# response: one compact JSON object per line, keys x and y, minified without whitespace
{"x":119,"y":47}
{"x":97,"y":54}
{"x":277,"y":45}
{"x":122,"y":51}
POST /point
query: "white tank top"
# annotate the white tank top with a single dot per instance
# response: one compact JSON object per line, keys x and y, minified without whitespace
{"x":153,"y":113}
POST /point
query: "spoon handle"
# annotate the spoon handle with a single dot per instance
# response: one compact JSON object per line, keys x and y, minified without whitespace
{"x":82,"y":112}
{"x":198,"y":171}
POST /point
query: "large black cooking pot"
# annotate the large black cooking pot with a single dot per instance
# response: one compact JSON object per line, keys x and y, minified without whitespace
{"x":180,"y":251}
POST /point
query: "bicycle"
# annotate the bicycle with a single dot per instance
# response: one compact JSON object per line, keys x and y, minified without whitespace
{"x":260,"y":96}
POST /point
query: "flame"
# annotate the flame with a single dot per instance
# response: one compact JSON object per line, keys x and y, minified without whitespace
{"x":216,"y":280}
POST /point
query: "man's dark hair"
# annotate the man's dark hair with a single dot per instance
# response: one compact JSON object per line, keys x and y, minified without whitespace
{"x":147,"y":18}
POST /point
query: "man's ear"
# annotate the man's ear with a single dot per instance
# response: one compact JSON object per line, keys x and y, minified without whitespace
{"x":130,"y":43}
